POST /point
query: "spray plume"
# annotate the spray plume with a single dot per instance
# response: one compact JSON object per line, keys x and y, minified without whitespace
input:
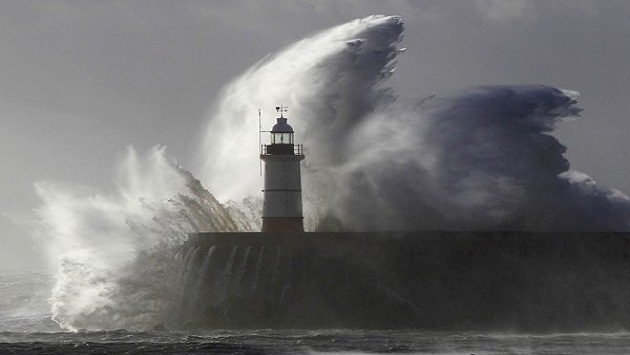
{"x":481,"y":159}
{"x":118,"y":253}
{"x":328,"y":81}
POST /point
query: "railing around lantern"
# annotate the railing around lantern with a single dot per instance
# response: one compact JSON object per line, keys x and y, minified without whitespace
{"x":281,"y":149}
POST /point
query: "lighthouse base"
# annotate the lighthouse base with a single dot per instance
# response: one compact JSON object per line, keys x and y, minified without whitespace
{"x":282,"y":224}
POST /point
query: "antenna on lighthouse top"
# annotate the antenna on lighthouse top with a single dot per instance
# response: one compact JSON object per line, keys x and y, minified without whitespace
{"x":282,"y":109}
{"x":259,"y":140}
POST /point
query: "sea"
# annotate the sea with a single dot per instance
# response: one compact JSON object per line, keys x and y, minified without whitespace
{"x":26,"y":328}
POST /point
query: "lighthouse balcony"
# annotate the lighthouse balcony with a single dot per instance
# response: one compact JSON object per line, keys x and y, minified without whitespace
{"x":281,"y":149}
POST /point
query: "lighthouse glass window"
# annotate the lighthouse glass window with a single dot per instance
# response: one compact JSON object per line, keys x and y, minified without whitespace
{"x":282,"y":138}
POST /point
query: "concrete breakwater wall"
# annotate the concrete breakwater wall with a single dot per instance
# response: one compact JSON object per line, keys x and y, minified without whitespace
{"x":507,"y":281}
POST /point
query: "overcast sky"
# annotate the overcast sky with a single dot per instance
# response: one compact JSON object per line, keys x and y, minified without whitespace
{"x":80,"y":80}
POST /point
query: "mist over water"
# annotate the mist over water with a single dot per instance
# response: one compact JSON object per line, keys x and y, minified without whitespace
{"x":482,"y":159}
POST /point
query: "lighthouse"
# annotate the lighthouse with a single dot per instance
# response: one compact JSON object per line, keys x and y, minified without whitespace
{"x":282,"y":206}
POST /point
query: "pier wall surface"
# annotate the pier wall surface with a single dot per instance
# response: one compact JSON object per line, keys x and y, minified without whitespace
{"x":504,"y":281}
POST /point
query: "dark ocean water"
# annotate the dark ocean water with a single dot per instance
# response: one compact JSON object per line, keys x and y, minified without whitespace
{"x":26,"y":328}
{"x":308,"y":342}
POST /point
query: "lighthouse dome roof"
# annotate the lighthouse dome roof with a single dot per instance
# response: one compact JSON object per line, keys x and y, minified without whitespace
{"x":282,"y":126}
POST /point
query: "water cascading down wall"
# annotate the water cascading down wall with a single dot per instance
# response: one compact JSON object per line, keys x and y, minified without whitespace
{"x":534,"y":282}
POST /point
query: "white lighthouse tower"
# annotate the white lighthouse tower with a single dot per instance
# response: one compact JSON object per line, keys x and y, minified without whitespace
{"x":282,"y":206}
